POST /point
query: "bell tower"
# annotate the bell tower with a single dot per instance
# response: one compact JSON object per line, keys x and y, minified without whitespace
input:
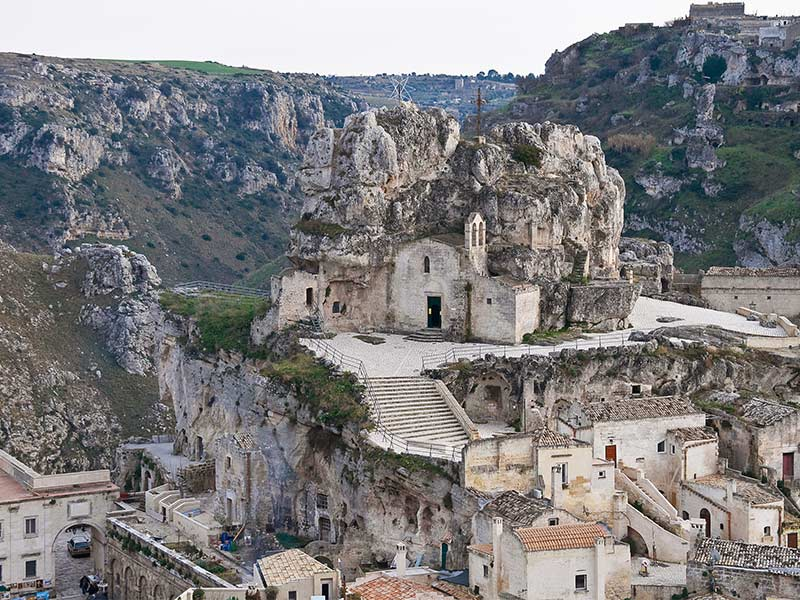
{"x":475,"y":242}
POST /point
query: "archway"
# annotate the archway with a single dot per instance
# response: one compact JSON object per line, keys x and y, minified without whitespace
{"x":129,"y":584}
{"x":325,"y":561}
{"x":147,"y":481}
{"x":636,"y":542}
{"x":706,"y":516}
{"x":141,"y":591}
{"x":88,"y":556}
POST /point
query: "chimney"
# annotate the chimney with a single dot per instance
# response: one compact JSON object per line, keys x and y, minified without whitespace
{"x":497,"y":534}
{"x":730,"y":489}
{"x":400,"y":561}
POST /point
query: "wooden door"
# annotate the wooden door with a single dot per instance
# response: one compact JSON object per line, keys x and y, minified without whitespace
{"x":791,"y":540}
{"x":611,"y":453}
{"x":788,"y":466}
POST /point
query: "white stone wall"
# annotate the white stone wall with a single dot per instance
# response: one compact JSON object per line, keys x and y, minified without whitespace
{"x":289,"y":293}
{"x":779,"y":295}
{"x":772,"y":442}
{"x":482,"y":523}
{"x":513,"y":312}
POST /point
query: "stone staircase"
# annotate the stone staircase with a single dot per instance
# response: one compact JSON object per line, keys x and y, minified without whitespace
{"x":579,"y":265}
{"x":415,"y":410}
{"x":426,"y":335}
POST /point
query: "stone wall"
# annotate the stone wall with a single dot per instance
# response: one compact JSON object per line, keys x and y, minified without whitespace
{"x":744,"y":287}
{"x":742,"y":583}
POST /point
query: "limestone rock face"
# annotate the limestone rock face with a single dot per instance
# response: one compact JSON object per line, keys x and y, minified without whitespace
{"x":602,"y":307}
{"x":650,"y":262}
{"x":65,"y":151}
{"x":130,"y":326}
{"x":763,"y":243}
{"x":391,"y":175}
{"x":167,"y":167}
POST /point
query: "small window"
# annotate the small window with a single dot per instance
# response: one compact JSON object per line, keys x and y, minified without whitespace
{"x":489,"y":301}
{"x":601,"y":474}
{"x":30,"y":526}
{"x":30,"y":569}
{"x":486,"y":571}
{"x":228,"y":463}
{"x":552,"y":522}
{"x":769,"y":297}
{"x":337,"y":308}
{"x":580,"y":582}
{"x":426,"y":265}
{"x":685,"y":515}
{"x":767,"y":531}
{"x":322,"y":501}
{"x":736,"y":297}
{"x":672,"y":448}
{"x":292,"y":595}
{"x":661,"y":447}
{"x":309,"y":296}
{"x":564,"y":475}
{"x":721,"y":527}
{"x":636,"y":388}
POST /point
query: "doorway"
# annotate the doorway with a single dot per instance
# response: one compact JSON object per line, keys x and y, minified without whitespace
{"x":788,"y":466}
{"x":706,"y":516}
{"x":611,"y":453}
{"x":326,"y":590}
{"x":434,"y":312}
{"x":791,"y":540}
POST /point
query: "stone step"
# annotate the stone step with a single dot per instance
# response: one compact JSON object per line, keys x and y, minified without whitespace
{"x":417,"y":411}
{"x":426,"y":335}
{"x":428,"y":431}
{"x":414,"y":401}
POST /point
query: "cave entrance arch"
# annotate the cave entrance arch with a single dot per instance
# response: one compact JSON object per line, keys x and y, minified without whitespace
{"x":69,"y":569}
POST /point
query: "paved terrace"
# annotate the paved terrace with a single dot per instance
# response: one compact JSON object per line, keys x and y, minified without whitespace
{"x":398,"y":357}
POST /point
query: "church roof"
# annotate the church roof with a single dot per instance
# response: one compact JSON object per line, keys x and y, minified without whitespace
{"x":634,"y":409}
{"x":560,"y":537}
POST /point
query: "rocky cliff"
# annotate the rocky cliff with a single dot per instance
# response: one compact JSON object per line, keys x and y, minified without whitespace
{"x":68,"y":395}
{"x":192,"y":162}
{"x":702,"y":127}
{"x":393,"y":175}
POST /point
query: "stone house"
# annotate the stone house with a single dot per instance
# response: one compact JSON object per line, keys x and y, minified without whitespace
{"x":297,"y":576}
{"x":516,"y":510}
{"x":239,"y":466}
{"x":632,"y":432}
{"x":546,"y":463}
{"x":762,"y":438}
{"x":741,"y":570}
{"x":733,"y":507}
{"x":36,"y":510}
{"x":579,"y":560}
{"x":770,"y":290}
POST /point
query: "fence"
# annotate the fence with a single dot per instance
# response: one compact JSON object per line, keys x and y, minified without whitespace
{"x":457,"y":353}
{"x":194,"y":288}
{"x":343,"y":362}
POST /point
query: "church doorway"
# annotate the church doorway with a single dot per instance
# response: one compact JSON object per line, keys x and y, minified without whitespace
{"x":434,"y":312}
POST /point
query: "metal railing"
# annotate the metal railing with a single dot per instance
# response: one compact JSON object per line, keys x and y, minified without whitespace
{"x":194,"y":288}
{"x":356,"y":366}
{"x":476,"y":351}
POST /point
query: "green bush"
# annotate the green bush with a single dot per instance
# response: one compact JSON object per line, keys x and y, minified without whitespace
{"x":316,"y":227}
{"x":527,"y":155}
{"x":223,"y":321}
{"x":714,"y":67}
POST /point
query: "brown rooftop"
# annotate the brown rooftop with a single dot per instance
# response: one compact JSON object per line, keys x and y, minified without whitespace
{"x":290,"y":565}
{"x":748,"y":556}
{"x":764,"y":413}
{"x":487,"y":549}
{"x":12,"y":491}
{"x":459,"y":592}
{"x":694,"y":434}
{"x":560,"y":537}
{"x":547,"y":438}
{"x":634,"y":409}
{"x":516,"y":509}
{"x":392,"y":588}
{"x":750,"y":491}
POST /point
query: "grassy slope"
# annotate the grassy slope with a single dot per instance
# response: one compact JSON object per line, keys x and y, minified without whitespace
{"x":761,"y":175}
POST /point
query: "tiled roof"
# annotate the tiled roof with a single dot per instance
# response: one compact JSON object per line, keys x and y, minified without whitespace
{"x":482,"y":548}
{"x":763,"y":413}
{"x":290,"y":565}
{"x":694,"y":434}
{"x":547,"y":438}
{"x":452,"y":589}
{"x":749,"y":556}
{"x":750,"y":272}
{"x":633,"y":409}
{"x":244,"y":441}
{"x":560,"y":537}
{"x":746,"y":490}
{"x":392,"y":588}
{"x":517,"y":510}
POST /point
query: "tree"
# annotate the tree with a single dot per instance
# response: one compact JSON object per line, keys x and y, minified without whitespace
{"x":714,"y":68}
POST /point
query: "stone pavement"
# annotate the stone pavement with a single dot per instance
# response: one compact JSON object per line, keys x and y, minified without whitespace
{"x":69,"y":570}
{"x":163,"y":452}
{"x":661,"y":573}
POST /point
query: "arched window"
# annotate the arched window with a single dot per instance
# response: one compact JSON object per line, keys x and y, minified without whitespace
{"x":228,"y":463}
{"x":426,"y":265}
{"x":767,"y":531}
{"x":474,"y":234}
{"x":482,"y":229}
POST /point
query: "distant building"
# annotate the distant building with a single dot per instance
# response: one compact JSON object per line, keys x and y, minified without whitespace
{"x":580,"y":560}
{"x":36,"y":509}
{"x":771,"y":290}
{"x":715,"y":10}
{"x":297,"y":576}
{"x":741,"y":570}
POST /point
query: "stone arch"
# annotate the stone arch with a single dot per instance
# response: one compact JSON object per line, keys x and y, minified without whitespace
{"x":491,"y":399}
{"x":706,"y":516}
{"x":113,"y":578}
{"x":128,"y":582}
{"x":324,"y":560}
{"x":98,"y":536}
{"x":159,"y":593}
{"x":141,"y":591}
{"x":637,"y":542}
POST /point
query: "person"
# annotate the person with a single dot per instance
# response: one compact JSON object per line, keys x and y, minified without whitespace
{"x":84,"y":584}
{"x":644,"y":568}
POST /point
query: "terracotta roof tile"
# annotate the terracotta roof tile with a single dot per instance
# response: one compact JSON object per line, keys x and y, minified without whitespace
{"x":459,"y":592}
{"x":392,"y":588}
{"x":633,"y":409}
{"x":482,"y":548}
{"x":694,"y":434}
{"x":560,"y":537}
{"x":750,"y":556}
{"x":516,"y":509}
{"x":290,"y":565}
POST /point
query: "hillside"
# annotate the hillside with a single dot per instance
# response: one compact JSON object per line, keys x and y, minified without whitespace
{"x":190,"y":163}
{"x":65,"y":403}
{"x":709,"y":153}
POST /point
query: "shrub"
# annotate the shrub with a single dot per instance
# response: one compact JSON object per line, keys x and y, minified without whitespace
{"x":714,"y":68}
{"x":638,"y":143}
{"x":241,"y":256}
{"x":316,"y":227}
{"x":527,"y":155}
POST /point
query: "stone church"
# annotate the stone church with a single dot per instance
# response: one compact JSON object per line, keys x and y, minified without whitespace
{"x":408,"y":227}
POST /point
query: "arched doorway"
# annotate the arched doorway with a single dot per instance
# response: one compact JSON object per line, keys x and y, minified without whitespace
{"x":147,"y":481}
{"x":70,"y":567}
{"x":129,"y":584}
{"x":325,"y":561}
{"x":141,"y":591}
{"x":706,"y":516}
{"x":636,"y":542}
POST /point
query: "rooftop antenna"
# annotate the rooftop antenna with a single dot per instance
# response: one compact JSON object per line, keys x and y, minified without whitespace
{"x":479,"y":102}
{"x":401,"y":90}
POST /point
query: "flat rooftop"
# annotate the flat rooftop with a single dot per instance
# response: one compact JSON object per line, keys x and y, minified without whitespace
{"x":12,"y":491}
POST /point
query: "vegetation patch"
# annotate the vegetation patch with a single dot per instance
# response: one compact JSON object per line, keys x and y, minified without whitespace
{"x":223,"y":321}
{"x":317,"y":227}
{"x":527,"y":155}
{"x":336,"y":398}
{"x":409,"y":462}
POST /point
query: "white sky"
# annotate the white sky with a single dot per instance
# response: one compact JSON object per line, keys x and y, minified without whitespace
{"x":331,"y":36}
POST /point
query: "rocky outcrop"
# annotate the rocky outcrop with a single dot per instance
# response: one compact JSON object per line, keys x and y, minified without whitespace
{"x":601,"y":306}
{"x":763,"y":243}
{"x":129,"y":317}
{"x":649,"y":262}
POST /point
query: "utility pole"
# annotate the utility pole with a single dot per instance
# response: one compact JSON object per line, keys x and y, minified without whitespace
{"x":479,"y":102}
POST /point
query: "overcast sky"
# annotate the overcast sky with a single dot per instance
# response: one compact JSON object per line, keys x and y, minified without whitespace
{"x":331,"y":36}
